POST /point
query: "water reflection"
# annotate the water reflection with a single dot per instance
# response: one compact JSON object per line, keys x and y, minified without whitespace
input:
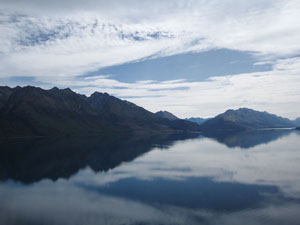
{"x":170,"y":180}
{"x":248,"y":139}
{"x":30,"y":160}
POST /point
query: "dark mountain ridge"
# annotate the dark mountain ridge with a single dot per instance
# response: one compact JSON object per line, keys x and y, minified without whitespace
{"x":32,"y":111}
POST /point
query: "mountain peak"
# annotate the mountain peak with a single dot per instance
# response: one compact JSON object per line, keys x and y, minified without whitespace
{"x":246,"y":109}
{"x":166,"y":115}
{"x":68,"y":91}
{"x":241,"y":110}
{"x":54,"y":89}
{"x":99,"y":94}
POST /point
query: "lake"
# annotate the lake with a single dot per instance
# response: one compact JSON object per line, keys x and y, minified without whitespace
{"x":241,"y":178}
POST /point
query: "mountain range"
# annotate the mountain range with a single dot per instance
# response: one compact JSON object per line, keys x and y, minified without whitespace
{"x":242,"y":119}
{"x":33,"y":111}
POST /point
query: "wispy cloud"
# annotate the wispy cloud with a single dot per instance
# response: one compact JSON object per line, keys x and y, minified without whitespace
{"x":51,"y":38}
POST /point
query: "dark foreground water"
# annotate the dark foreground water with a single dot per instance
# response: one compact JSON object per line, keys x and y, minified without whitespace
{"x":247,"y":178}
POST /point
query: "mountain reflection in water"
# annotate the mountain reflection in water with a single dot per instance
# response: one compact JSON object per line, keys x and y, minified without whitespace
{"x":179,"y":179}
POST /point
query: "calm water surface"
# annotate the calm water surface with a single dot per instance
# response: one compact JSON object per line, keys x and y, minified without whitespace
{"x":246,"y":178}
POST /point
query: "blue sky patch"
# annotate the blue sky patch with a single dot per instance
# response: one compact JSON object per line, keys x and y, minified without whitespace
{"x":190,"y":66}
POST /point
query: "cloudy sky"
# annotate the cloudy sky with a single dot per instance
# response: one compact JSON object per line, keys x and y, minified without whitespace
{"x":193,"y":58}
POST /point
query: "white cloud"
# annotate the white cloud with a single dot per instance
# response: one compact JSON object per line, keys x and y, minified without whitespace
{"x":41,"y":38}
{"x":42,"y":46}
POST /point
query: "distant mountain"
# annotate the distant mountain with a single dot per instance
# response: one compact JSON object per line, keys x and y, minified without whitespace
{"x":166,"y":115}
{"x":176,"y":123}
{"x":197,"y":120}
{"x":245,"y":119}
{"x":32,"y":111}
{"x":296,"y":122}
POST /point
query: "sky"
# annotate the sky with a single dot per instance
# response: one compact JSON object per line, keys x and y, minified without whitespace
{"x":194,"y":58}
